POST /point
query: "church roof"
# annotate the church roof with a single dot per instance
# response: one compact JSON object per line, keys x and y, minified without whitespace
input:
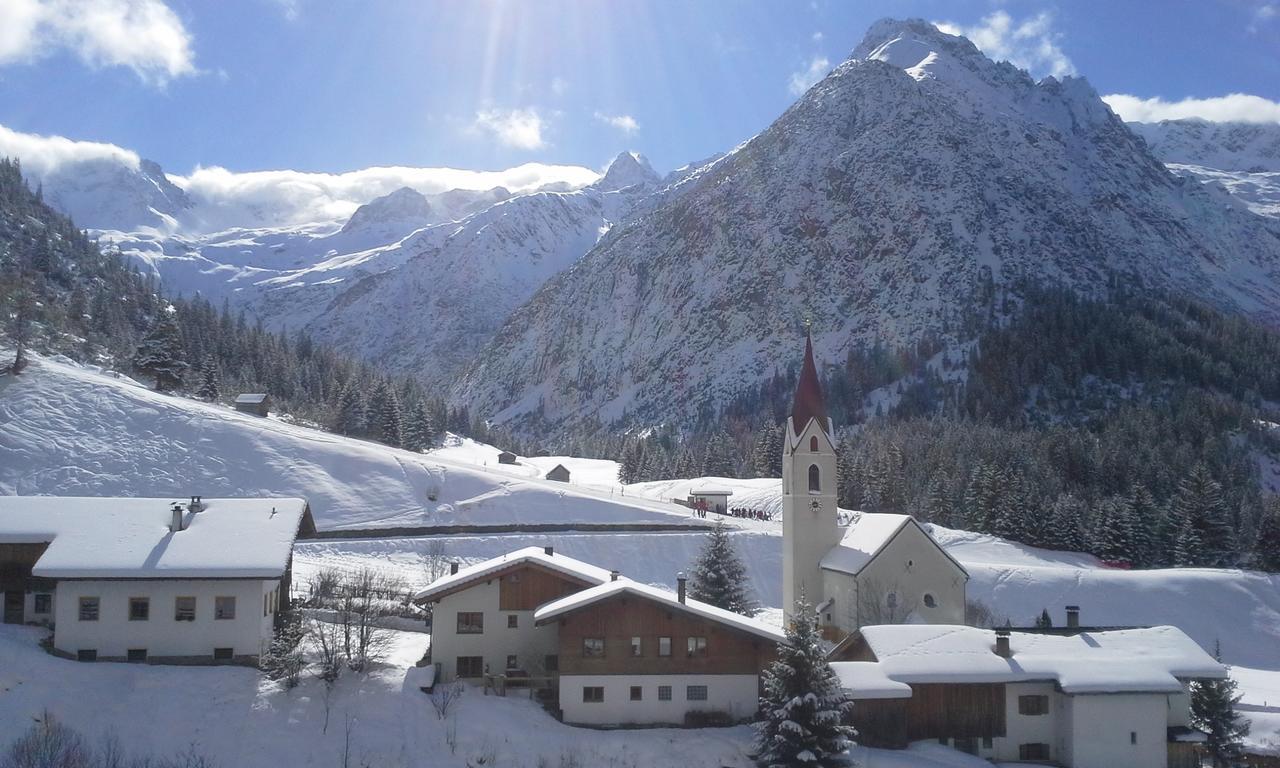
{"x":870,"y":533}
{"x":808,"y":403}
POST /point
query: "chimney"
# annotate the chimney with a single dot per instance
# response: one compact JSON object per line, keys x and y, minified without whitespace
{"x":175,"y":519}
{"x":453,"y":567}
{"x":1002,"y":644}
{"x":680,"y":580}
{"x":196,"y":505}
{"x":549,"y":551}
{"x":613,"y":575}
{"x":1073,"y":616}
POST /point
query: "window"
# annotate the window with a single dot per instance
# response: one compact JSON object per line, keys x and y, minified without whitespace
{"x":695,"y":693}
{"x":224,"y":607}
{"x":137,"y":655}
{"x":929,"y":602}
{"x":84,"y":655}
{"x":637,"y":693}
{"x":815,"y":482}
{"x":987,"y":743}
{"x":592,"y":694}
{"x":552,"y":663}
{"x":513,"y":662}
{"x":89,"y":609}
{"x":1033,"y":751}
{"x":513,"y":621}
{"x":139,"y":608}
{"x":813,"y":444}
{"x":664,"y":693}
{"x":470,"y":666}
{"x":637,"y":648}
{"x":1033,"y":705}
{"x":43,"y":603}
{"x":1133,"y":737}
{"x":470,"y":623}
{"x":223,"y":654}
{"x":664,"y":646}
{"x":697,"y":646}
{"x":593,"y":647}
{"x":184,"y":609}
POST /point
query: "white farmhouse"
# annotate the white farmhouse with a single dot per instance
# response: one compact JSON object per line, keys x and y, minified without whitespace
{"x":1092,"y":699}
{"x":880,"y":568}
{"x":150,"y":580}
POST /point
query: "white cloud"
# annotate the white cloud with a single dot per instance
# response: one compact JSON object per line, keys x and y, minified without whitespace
{"x":1234,"y":107}
{"x":1031,"y":44}
{"x":625,"y":123}
{"x":803,"y":80}
{"x":519,"y":128}
{"x":1264,"y":13}
{"x":225,"y":199}
{"x":143,"y":35}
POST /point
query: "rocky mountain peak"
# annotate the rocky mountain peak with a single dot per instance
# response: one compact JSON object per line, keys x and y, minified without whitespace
{"x":403,"y":205}
{"x":627,"y":170}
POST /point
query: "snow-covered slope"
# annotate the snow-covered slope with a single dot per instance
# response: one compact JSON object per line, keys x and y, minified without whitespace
{"x":878,"y":205}
{"x":1250,"y":147}
{"x":68,"y":430}
{"x":116,"y":193}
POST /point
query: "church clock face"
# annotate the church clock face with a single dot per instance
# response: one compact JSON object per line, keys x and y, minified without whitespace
{"x":815,"y":505}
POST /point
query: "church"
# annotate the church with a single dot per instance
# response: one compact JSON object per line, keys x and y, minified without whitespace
{"x":880,"y":568}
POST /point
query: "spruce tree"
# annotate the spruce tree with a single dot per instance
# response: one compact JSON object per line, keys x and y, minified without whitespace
{"x":1199,"y":502}
{"x":1044,"y":620}
{"x":208,"y":388}
{"x":1266,"y":549}
{"x":161,"y":352}
{"x":803,"y":704}
{"x":351,"y":417}
{"x":1187,"y":548}
{"x":390,"y":419}
{"x":1114,"y":531}
{"x":719,"y":577}
{"x":420,"y":432}
{"x":1213,"y":710}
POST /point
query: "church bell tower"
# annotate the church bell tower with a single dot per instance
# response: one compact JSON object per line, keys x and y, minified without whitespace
{"x":809,"y":525}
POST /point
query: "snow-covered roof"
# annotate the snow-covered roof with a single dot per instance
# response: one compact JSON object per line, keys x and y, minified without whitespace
{"x":867,"y":680}
{"x":127,"y":538}
{"x":866,"y":536}
{"x":708,"y":490}
{"x":665,"y":596}
{"x":536,"y":555}
{"x":1129,"y":660}
{"x":250,"y":397}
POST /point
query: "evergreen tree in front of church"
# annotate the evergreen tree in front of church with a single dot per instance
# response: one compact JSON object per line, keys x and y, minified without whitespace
{"x":1213,"y":710}
{"x":719,"y":577}
{"x":804,"y":706}
{"x":160,"y":355}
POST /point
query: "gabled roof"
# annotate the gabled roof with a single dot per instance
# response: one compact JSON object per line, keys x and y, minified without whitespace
{"x":126,"y":538}
{"x":250,"y":397}
{"x":710,"y":490}
{"x":529,"y":555}
{"x":808,"y":402}
{"x":666,"y":597}
{"x":870,"y":533}
{"x":867,"y":680}
{"x":1151,"y":660}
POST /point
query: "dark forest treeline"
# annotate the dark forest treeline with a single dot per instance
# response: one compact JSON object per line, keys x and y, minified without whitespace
{"x":61,"y":293}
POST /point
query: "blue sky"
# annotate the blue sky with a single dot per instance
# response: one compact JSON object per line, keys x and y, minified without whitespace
{"x":335,"y":85}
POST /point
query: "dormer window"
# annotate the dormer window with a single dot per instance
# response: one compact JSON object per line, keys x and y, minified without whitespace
{"x":813,"y":444}
{"x":815,"y":482}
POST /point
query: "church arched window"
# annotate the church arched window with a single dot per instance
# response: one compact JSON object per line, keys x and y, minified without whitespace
{"x":815,"y":483}
{"x":813,"y":444}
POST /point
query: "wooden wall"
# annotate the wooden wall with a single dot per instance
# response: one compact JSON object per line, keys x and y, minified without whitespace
{"x":529,"y":586}
{"x":618,"y":619}
{"x":933,"y":711}
{"x":16,"y":561}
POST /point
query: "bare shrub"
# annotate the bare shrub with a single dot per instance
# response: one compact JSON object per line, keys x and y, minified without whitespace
{"x":444,"y":696}
{"x":48,"y":744}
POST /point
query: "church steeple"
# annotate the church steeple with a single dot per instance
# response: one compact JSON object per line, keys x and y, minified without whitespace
{"x":808,"y":402}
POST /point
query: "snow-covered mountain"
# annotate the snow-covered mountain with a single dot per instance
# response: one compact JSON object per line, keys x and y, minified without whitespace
{"x":880,"y":205}
{"x":115,"y":193}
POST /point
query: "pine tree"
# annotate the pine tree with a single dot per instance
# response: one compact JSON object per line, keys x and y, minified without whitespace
{"x":1114,"y":531}
{"x":1199,"y":501}
{"x":390,"y":419}
{"x":1266,"y":548}
{"x":208,"y":388}
{"x":161,"y":352}
{"x":1213,"y":710}
{"x":350,"y":418}
{"x":1187,"y":548}
{"x":803,"y":704}
{"x":719,"y":577}
{"x":1146,"y":525}
{"x":1065,"y":529}
{"x":1044,"y":620}
{"x":420,"y":433}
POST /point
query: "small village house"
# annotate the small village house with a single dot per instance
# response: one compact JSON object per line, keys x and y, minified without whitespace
{"x":558,"y":473}
{"x":710,"y":498}
{"x":259,"y":404}
{"x":150,"y":580}
{"x":506,"y":457}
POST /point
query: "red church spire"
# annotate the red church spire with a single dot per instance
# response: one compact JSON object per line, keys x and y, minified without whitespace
{"x":808,"y":402}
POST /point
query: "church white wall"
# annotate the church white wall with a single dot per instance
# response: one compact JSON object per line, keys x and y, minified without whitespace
{"x":807,"y":533}
{"x":912,"y":567}
{"x":529,"y":643}
{"x":737,"y":695}
{"x":114,"y":634}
